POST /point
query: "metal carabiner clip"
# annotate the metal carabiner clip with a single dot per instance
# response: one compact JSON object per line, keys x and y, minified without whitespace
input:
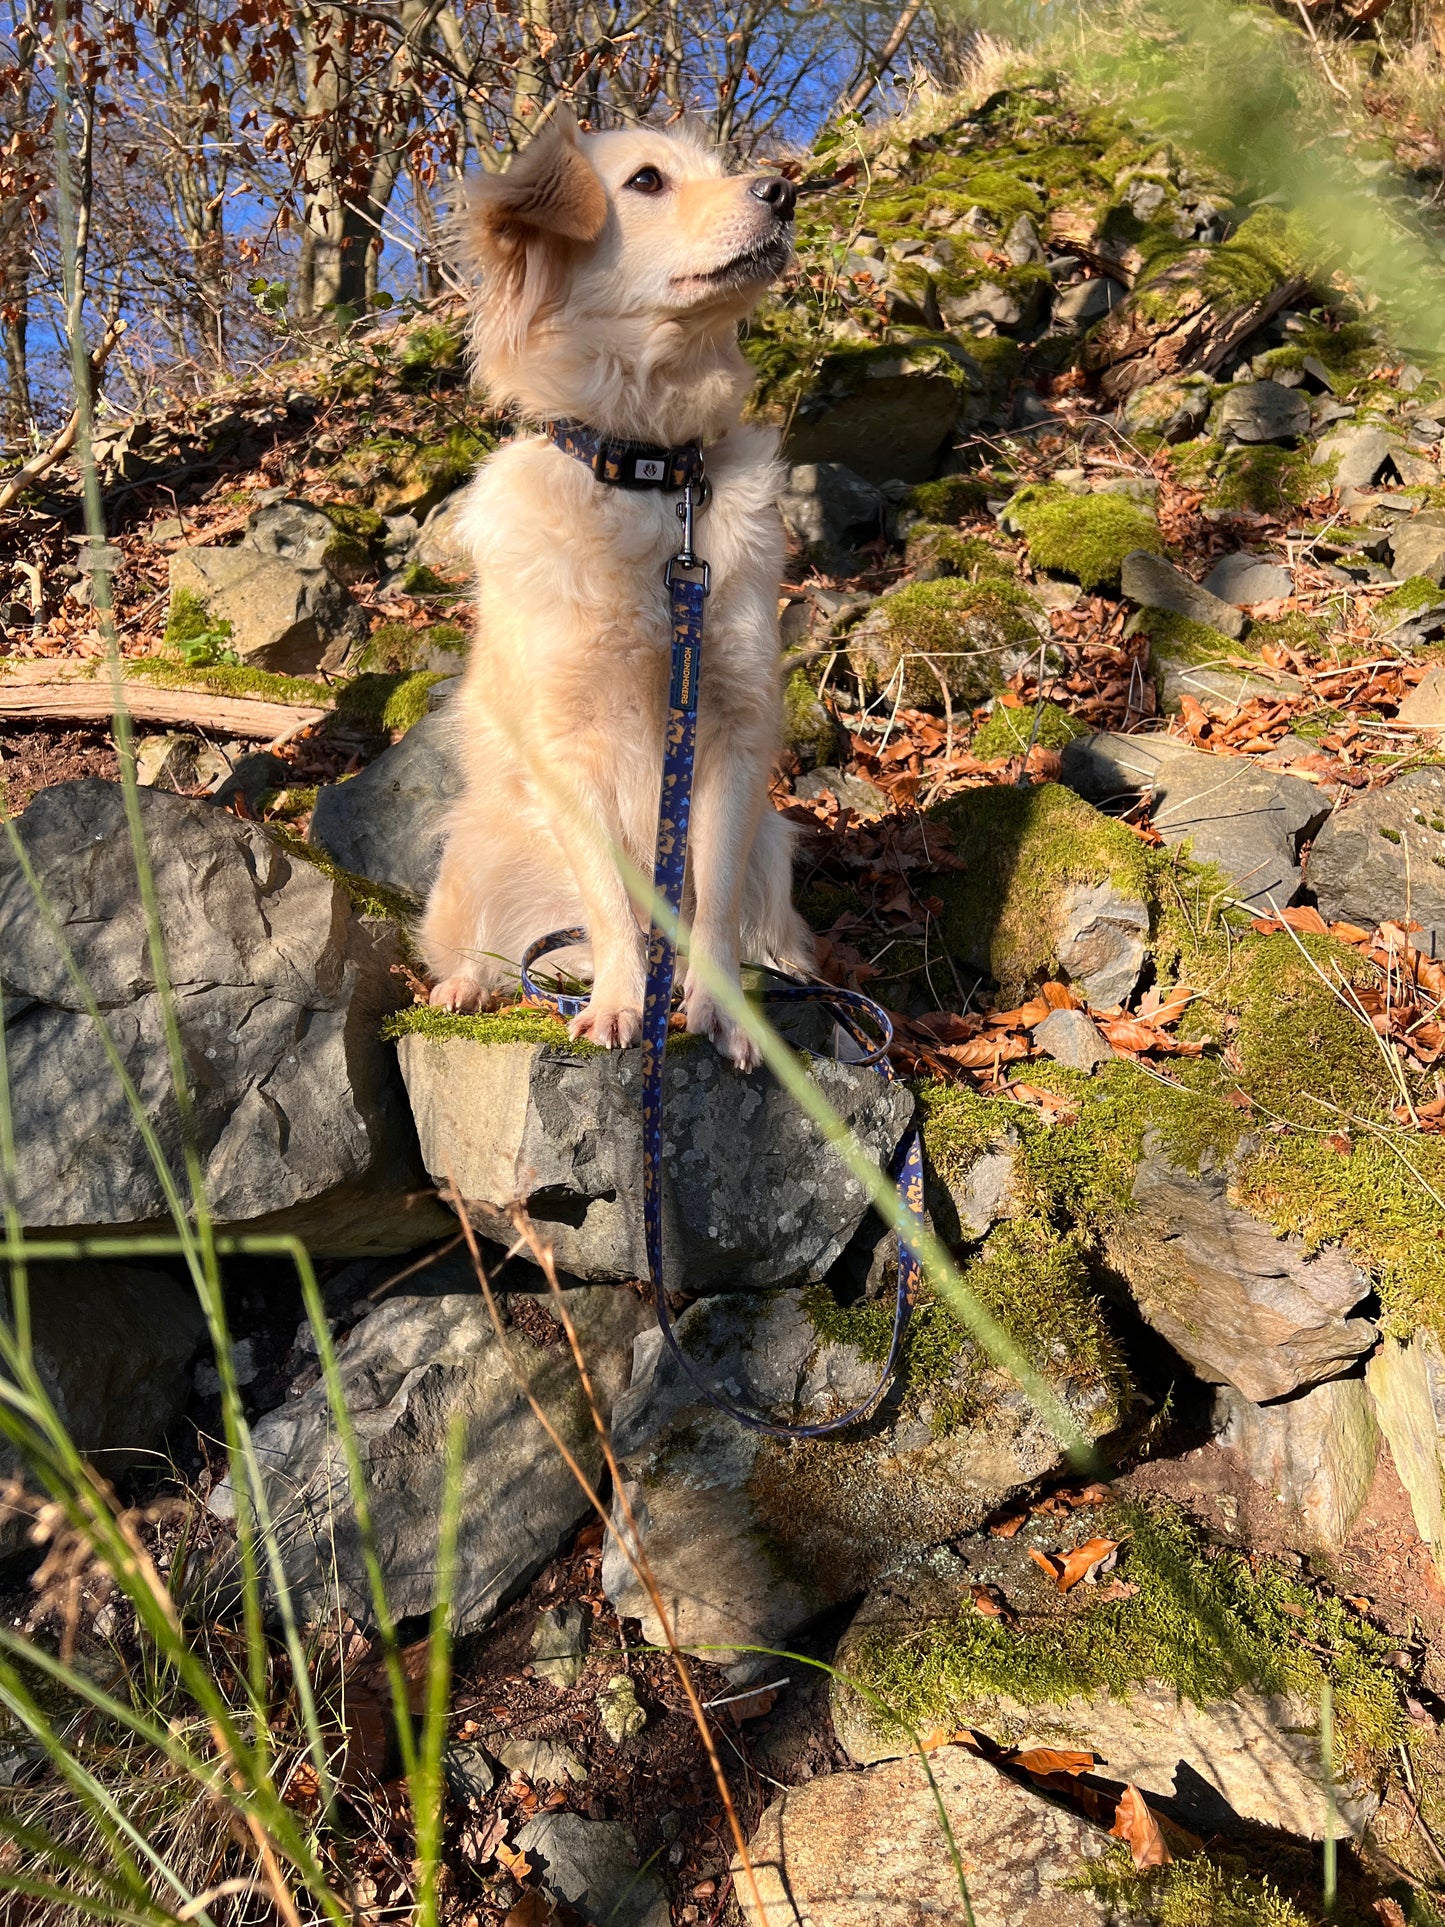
{"x":686,"y":558}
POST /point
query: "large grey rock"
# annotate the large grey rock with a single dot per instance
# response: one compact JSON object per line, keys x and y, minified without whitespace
{"x":1087,"y":302}
{"x":1242,"y":1306}
{"x":753,"y":1194}
{"x":1247,"y":819}
{"x":893,"y":423}
{"x":831,"y":509}
{"x":1314,"y":1453}
{"x":280,"y":987}
{"x":112,"y":1345}
{"x":1156,"y":584}
{"x":1263,"y":411}
{"x":1359,"y":452}
{"x":1254,"y":1755}
{"x":409,"y":1370}
{"x":294,"y":531}
{"x":1406,"y":1382}
{"x":442,"y":543}
{"x":1213,"y":685}
{"x":1417,"y":547}
{"x":1380,"y":856}
{"x":867,"y":1850}
{"x":1103,"y":941}
{"x":388,"y":822}
{"x":291,"y":620}
{"x":594,"y":1865}
{"x":748,"y":1537}
{"x":1244,"y":579}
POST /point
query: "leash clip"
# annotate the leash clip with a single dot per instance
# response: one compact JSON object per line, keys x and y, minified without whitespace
{"x":686,"y":557}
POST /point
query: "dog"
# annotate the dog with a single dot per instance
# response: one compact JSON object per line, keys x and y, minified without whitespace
{"x":612,"y":271}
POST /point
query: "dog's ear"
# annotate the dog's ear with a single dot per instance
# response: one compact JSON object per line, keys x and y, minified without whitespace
{"x":518,"y":232}
{"x":551,"y":190}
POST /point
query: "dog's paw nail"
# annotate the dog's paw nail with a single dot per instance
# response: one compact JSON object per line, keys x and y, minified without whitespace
{"x":608,"y":1029}
{"x":459,"y":994}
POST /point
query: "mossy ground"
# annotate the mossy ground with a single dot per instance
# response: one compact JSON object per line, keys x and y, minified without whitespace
{"x":1084,"y":536}
{"x":1207,"y":1621}
{"x":1269,"y":480}
{"x":951,"y":498}
{"x":192,"y":633}
{"x":1033,"y":1281}
{"x":1179,"y":639}
{"x":935,"y":550}
{"x":809,"y":727}
{"x":947,"y":634}
{"x":1009,"y":731}
{"x":1195,"y":1891}
{"x":395,"y":648}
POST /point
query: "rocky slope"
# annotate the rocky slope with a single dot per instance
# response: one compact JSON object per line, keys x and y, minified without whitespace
{"x":1114,"y":720}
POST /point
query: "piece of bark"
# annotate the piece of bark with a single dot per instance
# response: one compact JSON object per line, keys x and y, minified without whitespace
{"x":1131,"y":347}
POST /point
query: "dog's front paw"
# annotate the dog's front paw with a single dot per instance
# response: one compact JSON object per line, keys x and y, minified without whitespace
{"x":612,"y":1026}
{"x":461,"y":994}
{"x":706,"y":1019}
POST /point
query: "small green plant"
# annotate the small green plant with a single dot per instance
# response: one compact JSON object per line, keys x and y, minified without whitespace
{"x":200,"y":641}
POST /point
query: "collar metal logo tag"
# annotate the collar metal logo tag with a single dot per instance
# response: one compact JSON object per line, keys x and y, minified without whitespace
{"x":651,"y":471}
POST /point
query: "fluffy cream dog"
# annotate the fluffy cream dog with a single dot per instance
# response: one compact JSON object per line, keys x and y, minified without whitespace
{"x":613,"y":270}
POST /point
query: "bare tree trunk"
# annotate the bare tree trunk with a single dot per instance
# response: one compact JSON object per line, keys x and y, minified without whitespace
{"x":17,"y":414}
{"x":529,"y":89}
{"x":334,"y":239}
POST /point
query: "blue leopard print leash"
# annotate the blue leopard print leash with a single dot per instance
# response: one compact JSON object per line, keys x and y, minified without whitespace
{"x":638,"y":465}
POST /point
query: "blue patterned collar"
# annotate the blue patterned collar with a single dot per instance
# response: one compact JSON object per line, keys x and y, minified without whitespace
{"x":628,"y":464}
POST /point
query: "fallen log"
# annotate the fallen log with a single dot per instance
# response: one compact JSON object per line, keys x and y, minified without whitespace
{"x":63,"y":692}
{"x":1172,"y":328}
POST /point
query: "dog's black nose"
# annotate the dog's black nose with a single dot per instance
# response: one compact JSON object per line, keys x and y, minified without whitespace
{"x":780,"y":195}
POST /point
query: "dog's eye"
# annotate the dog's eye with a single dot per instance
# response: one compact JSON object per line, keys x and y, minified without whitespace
{"x":646,"y":180}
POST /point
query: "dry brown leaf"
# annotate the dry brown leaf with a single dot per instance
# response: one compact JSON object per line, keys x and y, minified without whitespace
{"x":980,"y":1052}
{"x":1173,"y":1007}
{"x":1060,"y":997}
{"x":1085,"y":1560}
{"x":754,"y":1705}
{"x":1390,"y":1912}
{"x":1006,"y":1528}
{"x":1048,"y":1759}
{"x":1305,"y":919}
{"x":1349,"y":933}
{"x":1048,"y":1563}
{"x":1135,"y":1824}
{"x":517,"y":1864}
{"x":532,"y":1910}
{"x":480,"y":1839}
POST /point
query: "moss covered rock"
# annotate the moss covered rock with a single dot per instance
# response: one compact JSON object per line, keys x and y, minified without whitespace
{"x":1049,"y":888}
{"x":935,"y":551}
{"x":1010,"y":730}
{"x":1200,"y":1657}
{"x":810,"y":729}
{"x":750,"y":1537}
{"x":963,"y":637}
{"x":1084,"y":536}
